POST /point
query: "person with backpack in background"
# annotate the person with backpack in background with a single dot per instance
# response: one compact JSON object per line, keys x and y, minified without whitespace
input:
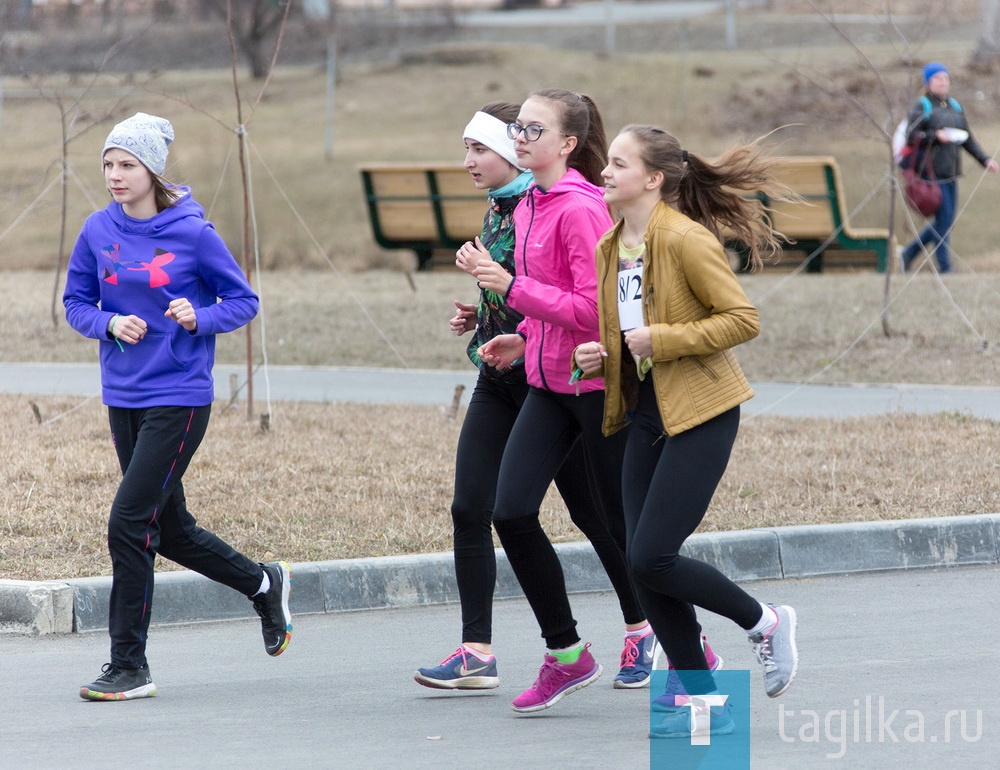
{"x":937,"y":131}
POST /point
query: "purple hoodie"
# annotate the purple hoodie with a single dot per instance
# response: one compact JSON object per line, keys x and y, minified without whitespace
{"x":555,"y":287}
{"x":136,"y":267}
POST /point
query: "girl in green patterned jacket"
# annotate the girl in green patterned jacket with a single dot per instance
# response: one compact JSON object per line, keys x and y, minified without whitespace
{"x":494,"y":405}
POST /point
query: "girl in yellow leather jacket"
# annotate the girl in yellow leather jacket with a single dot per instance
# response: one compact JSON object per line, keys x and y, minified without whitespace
{"x":671,"y":310}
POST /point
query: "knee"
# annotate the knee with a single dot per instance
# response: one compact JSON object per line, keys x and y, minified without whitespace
{"x":512,"y":528}
{"x":127,"y":534}
{"x":466,"y":515}
{"x":648,"y":566}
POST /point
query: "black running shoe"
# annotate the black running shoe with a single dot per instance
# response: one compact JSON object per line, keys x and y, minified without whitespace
{"x":117,"y":683}
{"x":275,"y":618}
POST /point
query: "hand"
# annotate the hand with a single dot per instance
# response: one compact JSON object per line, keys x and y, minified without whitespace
{"x":502,"y":351}
{"x":640,"y":341}
{"x":590,"y":357}
{"x":182,"y":311}
{"x":469,"y":256}
{"x":464,"y":320}
{"x":127,"y":328}
{"x":992,"y":166}
{"x":493,"y":277}
{"x":942,"y":136}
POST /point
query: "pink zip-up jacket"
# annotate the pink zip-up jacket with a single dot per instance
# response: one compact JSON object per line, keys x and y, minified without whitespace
{"x":555,"y":287}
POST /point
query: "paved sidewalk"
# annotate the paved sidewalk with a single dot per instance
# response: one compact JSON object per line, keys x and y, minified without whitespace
{"x":890,"y":666}
{"x":420,"y":386}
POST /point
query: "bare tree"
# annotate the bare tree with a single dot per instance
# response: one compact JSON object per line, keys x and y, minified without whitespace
{"x":987,"y":53}
{"x":15,"y":14}
{"x":252,"y":23}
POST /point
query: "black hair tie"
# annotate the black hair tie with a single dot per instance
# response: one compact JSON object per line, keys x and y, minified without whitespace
{"x":684,"y":156}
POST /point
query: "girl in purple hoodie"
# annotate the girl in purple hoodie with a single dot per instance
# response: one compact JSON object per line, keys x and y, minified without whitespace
{"x":559,"y":136}
{"x":152,"y":281}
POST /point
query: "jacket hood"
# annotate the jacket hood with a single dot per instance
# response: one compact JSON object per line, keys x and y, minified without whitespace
{"x":570,"y":182}
{"x":185,"y":207}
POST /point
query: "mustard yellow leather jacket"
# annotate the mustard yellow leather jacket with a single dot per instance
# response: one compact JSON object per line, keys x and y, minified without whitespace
{"x":696,"y":310}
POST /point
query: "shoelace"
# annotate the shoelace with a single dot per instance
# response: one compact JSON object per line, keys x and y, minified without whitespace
{"x":630,"y":654}
{"x":455,"y":654}
{"x":674,"y":685}
{"x":548,"y":676}
{"x":108,"y":672}
{"x":765,"y":654}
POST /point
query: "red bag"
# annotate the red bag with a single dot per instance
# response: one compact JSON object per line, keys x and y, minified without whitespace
{"x":922,"y":192}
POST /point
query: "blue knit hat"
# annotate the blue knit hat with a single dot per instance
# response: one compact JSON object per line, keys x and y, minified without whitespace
{"x":933,"y":68}
{"x":144,"y":136}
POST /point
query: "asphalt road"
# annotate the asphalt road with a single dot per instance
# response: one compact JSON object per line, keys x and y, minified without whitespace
{"x":891,"y":664}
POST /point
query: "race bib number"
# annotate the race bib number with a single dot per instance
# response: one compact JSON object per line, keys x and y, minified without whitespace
{"x":630,"y":298}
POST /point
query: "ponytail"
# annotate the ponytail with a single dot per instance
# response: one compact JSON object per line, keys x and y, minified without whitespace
{"x":582,"y":119}
{"x":714,"y":193}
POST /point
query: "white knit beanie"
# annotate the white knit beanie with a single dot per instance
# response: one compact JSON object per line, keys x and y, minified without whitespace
{"x":144,"y":136}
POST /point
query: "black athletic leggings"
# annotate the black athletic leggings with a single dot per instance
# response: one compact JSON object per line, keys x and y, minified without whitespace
{"x":149,"y":516}
{"x":493,"y":409}
{"x":547,"y":428}
{"x":667,"y":485}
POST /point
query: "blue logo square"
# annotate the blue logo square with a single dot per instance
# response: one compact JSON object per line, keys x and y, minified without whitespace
{"x":704,"y":732}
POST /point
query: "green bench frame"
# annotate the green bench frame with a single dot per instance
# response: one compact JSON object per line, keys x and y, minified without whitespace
{"x":433,"y":207}
{"x":423,"y":207}
{"x":819,"y":225}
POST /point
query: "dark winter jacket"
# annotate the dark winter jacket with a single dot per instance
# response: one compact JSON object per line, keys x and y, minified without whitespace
{"x":493,"y":315}
{"x":945,"y":157}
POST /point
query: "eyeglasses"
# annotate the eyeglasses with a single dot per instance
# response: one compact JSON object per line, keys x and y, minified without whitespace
{"x":531,"y":133}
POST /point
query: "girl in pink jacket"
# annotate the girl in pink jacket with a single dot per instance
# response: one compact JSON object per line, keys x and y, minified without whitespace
{"x":559,"y":136}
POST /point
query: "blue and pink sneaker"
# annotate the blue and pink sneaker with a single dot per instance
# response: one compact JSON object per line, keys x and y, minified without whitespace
{"x":666,"y":702}
{"x":462,"y":670}
{"x":691,"y":721}
{"x":636,"y":662}
{"x":556,"y":680}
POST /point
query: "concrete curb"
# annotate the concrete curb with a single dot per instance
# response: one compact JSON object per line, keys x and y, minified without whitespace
{"x":81,"y":605}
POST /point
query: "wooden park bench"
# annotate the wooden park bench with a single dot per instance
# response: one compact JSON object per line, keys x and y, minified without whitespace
{"x":818,"y":226}
{"x":428,"y":208}
{"x":433,"y":208}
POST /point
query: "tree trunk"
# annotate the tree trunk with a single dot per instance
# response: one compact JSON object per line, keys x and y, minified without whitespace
{"x":253,"y":25}
{"x":987,"y":53}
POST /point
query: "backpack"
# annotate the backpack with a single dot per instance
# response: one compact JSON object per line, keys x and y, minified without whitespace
{"x":902,"y":152}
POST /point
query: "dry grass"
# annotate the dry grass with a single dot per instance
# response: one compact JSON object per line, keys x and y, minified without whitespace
{"x":334,"y":481}
{"x":808,"y":323}
{"x":346,"y":481}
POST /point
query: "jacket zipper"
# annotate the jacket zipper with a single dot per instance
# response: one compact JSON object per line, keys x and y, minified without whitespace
{"x":705,"y":368}
{"x":524,"y":260}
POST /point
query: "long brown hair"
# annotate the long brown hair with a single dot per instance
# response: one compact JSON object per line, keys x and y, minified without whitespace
{"x":713,"y":193}
{"x":165,"y":194}
{"x":581,"y":118}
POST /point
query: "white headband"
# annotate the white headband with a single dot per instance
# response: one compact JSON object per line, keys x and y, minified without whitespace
{"x":492,"y":132}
